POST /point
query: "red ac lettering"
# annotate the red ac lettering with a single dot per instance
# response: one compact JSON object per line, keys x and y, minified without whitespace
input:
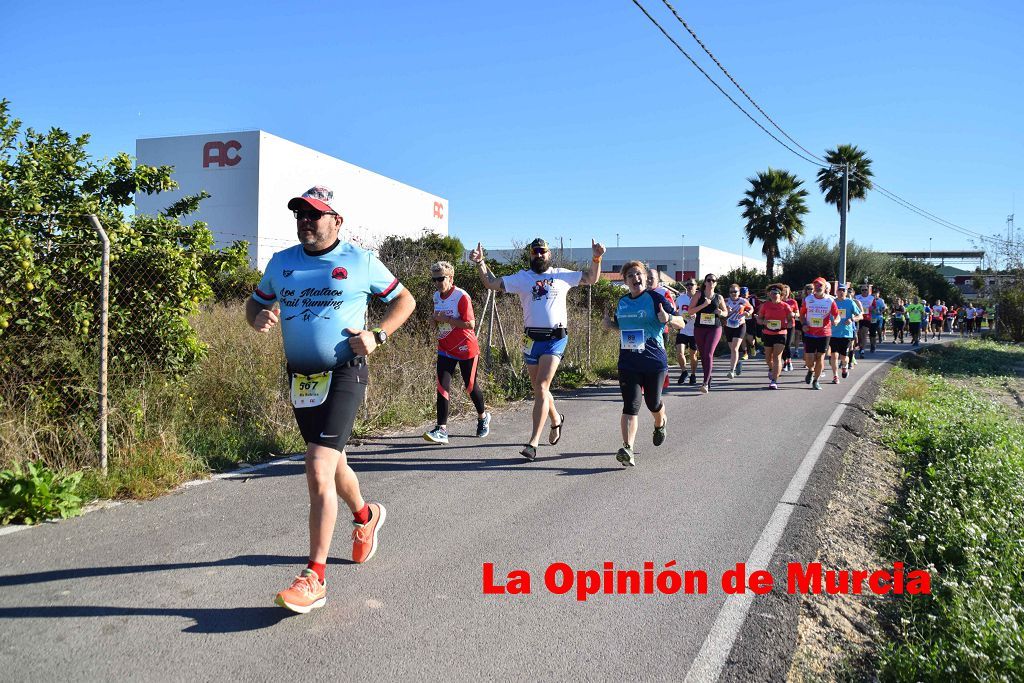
{"x":438,"y":210}
{"x":219,"y":153}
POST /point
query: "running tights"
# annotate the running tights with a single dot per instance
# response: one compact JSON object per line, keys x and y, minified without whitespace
{"x":786,"y":353}
{"x":707,"y":339}
{"x":445,"y":370}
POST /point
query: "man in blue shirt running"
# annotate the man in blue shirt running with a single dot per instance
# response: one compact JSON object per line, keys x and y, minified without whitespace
{"x":322,"y":287}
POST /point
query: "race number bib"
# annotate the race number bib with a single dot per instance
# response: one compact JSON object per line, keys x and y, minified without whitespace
{"x":773,"y":324}
{"x":527,"y":345}
{"x":632,"y":340}
{"x":707,"y":318}
{"x":817,"y":321}
{"x":309,"y":391}
{"x":443,"y":330}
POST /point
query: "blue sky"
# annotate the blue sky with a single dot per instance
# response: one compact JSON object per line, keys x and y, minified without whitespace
{"x":563,"y":119}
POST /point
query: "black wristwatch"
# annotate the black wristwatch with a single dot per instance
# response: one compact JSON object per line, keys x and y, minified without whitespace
{"x":380,"y":335}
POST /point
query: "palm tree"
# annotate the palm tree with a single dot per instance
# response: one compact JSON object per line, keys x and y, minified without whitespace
{"x":830,"y":180}
{"x":773,"y":208}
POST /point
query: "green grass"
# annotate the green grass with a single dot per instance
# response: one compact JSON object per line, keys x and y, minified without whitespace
{"x":961,"y":516}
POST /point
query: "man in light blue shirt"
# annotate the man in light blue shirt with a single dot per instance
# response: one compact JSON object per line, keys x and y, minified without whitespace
{"x":322,"y":287}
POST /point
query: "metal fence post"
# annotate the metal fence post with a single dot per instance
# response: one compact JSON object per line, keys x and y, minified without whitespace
{"x":104,"y":304}
{"x":590,"y":315}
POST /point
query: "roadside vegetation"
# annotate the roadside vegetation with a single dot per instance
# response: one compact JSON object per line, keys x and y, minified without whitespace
{"x":953,"y":416}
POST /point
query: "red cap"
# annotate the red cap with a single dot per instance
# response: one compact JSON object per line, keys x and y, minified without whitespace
{"x":318,"y":198}
{"x":820,"y":280}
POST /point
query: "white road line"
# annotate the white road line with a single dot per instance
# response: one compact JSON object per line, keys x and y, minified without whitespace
{"x":709,"y":662}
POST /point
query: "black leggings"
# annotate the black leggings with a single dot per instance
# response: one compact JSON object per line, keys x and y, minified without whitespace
{"x":445,"y":370}
{"x":786,"y":354}
{"x":635,"y":384}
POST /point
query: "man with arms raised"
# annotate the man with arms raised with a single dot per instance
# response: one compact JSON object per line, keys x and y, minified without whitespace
{"x":323,"y":286}
{"x":542,"y":291}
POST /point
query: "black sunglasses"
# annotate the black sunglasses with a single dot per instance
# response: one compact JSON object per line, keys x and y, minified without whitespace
{"x":439,"y":279}
{"x":311,"y":214}
{"x":539,"y":252}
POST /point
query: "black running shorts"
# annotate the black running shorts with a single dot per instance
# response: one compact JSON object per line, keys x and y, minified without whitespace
{"x":840,"y":345}
{"x":686,"y":340}
{"x":773,"y":339}
{"x":735,"y":332}
{"x":816,"y":344}
{"x":330,"y":423}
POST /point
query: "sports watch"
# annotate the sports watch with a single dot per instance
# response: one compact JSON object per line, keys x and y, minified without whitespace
{"x":380,"y":335}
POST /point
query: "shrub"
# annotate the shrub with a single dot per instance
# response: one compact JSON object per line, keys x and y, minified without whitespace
{"x":34,"y":493}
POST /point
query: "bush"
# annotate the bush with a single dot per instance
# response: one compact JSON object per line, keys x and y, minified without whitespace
{"x":34,"y":494}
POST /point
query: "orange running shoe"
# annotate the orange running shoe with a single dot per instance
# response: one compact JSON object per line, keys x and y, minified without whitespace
{"x":364,"y":536}
{"x":306,"y":593}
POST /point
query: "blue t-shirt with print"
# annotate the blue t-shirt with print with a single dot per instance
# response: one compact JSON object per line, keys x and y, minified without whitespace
{"x":846,"y":329}
{"x":877,"y":310}
{"x":321,"y":295}
{"x":638,"y":320}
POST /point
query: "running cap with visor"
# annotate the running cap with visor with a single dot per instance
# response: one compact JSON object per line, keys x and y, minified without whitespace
{"x":819,"y":281}
{"x":539,"y":244}
{"x":318,"y":198}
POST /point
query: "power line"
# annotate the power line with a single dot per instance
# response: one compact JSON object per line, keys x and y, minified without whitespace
{"x":814,"y":159}
{"x":738,"y":86}
{"x":714,"y":83}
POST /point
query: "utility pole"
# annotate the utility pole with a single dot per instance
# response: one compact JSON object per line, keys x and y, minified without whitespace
{"x":929,"y":250}
{"x":842,"y":222}
{"x":616,"y":239}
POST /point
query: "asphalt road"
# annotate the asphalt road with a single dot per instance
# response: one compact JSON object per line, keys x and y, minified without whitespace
{"x":181,"y":587}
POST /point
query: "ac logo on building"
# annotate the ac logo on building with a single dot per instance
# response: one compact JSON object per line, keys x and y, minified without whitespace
{"x":438,"y":210}
{"x":219,"y":153}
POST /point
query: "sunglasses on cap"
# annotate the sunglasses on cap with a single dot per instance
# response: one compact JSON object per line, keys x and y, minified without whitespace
{"x":311,"y":214}
{"x":441,"y":278}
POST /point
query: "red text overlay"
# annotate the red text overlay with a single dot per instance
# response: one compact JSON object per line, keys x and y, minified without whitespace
{"x":562,"y":579}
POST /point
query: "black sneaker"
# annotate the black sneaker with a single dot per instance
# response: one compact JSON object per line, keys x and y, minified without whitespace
{"x":660,"y":433}
{"x":693,"y":379}
{"x":682,"y":378}
{"x":529,"y":452}
{"x":483,"y":425}
{"x":625,"y":456}
{"x":808,"y":376}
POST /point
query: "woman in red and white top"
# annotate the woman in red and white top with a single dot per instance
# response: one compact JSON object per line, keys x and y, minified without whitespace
{"x":776,"y":319}
{"x":456,"y":346}
{"x":818,"y":312}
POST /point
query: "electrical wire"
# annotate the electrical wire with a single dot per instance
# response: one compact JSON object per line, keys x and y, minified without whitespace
{"x":738,"y":86}
{"x":811,"y":157}
{"x":721,"y":90}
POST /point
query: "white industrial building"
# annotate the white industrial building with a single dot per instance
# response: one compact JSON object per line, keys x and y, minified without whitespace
{"x":679,"y":262}
{"x":251,"y":175}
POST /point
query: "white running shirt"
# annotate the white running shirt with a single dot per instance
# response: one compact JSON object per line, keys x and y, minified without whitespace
{"x":543,"y":295}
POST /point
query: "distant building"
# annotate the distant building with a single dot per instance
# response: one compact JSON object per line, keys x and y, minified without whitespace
{"x":251,"y":175}
{"x":678,"y":262}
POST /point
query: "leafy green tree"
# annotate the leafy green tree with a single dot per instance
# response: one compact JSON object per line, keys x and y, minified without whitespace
{"x":773,"y":208}
{"x":50,"y":261}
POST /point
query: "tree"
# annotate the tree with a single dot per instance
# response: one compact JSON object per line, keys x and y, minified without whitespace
{"x":830,"y":180}
{"x":50,"y":261}
{"x":773,"y":208}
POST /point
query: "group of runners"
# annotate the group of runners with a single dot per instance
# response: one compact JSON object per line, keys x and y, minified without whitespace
{"x":318,"y":291}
